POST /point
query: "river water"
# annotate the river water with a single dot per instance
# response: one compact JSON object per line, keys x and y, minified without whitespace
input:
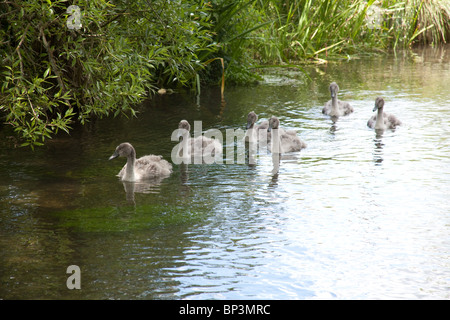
{"x":352,"y":216}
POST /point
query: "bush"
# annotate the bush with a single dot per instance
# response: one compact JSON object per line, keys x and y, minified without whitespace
{"x":55,"y":71}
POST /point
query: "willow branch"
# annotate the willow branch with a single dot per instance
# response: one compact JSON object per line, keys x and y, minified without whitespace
{"x":21,"y":68}
{"x":53,"y":62}
{"x":18,"y":49}
{"x":52,"y":59}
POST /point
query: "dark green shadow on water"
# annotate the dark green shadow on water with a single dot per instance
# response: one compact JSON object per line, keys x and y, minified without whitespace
{"x":128,"y":218}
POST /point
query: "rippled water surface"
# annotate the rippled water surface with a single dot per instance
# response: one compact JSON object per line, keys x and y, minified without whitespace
{"x":352,"y":216}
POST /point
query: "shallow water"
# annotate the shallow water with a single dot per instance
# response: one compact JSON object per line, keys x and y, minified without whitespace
{"x":352,"y":216}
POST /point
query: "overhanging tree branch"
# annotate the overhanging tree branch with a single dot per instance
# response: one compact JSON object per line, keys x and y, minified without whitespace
{"x":53,"y":63}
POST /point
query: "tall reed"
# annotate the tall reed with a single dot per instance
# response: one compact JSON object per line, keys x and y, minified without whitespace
{"x":307,"y":29}
{"x":320,"y":30}
{"x":417,"y":21}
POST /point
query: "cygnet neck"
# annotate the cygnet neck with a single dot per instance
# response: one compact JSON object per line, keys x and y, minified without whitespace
{"x":334,"y":102}
{"x":129,"y":172}
{"x":276,"y":142}
{"x":185,"y":144}
{"x":379,"y":124}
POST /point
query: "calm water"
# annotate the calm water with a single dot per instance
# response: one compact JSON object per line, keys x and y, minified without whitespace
{"x":353,"y":216}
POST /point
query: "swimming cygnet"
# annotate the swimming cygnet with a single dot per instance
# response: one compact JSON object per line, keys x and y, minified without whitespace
{"x":257,"y":131}
{"x":382,"y":120}
{"x":288,"y":139}
{"x":146,"y":167}
{"x":335,"y":107}
{"x":252,"y":117}
{"x":201,"y":145}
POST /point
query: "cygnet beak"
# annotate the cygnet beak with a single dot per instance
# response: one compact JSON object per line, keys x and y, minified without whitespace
{"x":115,"y":155}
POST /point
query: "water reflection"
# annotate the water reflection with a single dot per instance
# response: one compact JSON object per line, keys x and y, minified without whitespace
{"x":144,"y":186}
{"x":379,"y":133}
{"x":274,"y":180}
{"x":184,"y":173}
{"x":276,"y":159}
{"x":378,"y":150}
{"x":333,"y":127}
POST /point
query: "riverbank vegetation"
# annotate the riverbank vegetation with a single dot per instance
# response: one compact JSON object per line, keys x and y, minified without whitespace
{"x":62,"y":64}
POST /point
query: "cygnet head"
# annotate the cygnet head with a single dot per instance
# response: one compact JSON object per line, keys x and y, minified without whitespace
{"x":184,"y":125}
{"x":379,"y":103}
{"x":274,"y":123}
{"x":334,"y":89}
{"x":252,"y":117}
{"x":183,"y":129}
{"x":123,"y":150}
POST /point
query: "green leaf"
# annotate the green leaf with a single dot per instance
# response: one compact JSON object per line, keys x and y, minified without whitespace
{"x":46,"y":73}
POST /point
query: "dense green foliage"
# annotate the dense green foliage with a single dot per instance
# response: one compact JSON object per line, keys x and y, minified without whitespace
{"x":53,"y":75}
{"x":58,"y":68}
{"x":323,"y":30}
